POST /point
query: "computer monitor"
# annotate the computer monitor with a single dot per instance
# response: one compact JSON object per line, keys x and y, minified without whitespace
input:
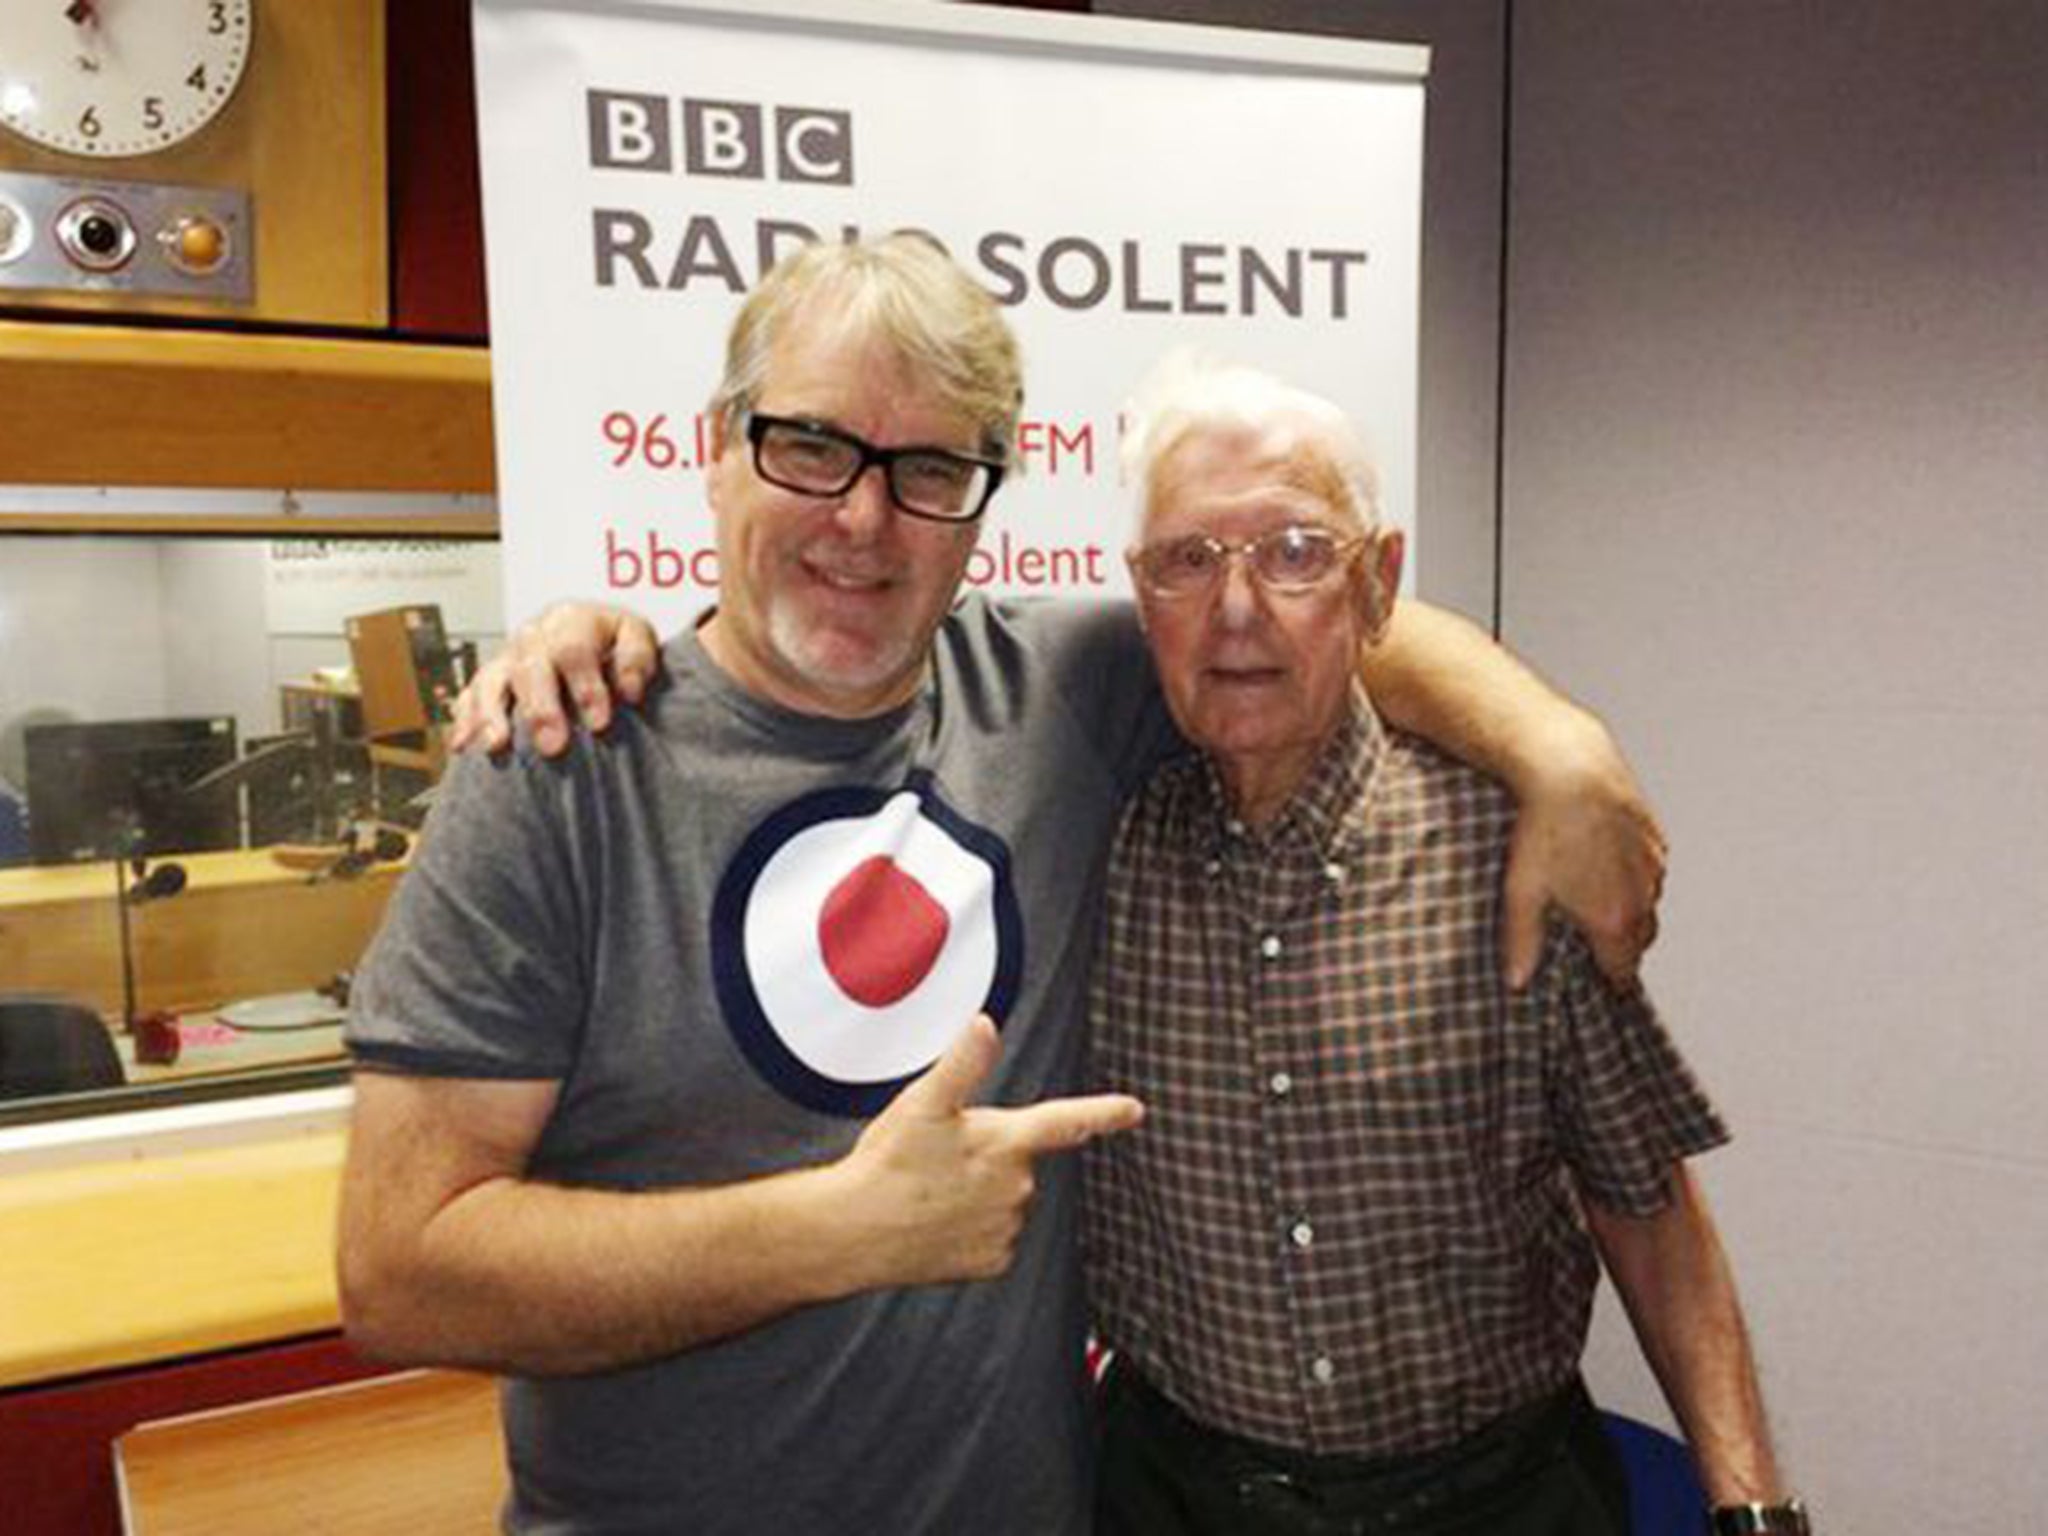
{"x":303,"y":789}
{"x":116,"y":789}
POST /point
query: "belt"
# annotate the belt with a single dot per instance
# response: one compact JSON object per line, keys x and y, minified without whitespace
{"x":1345,"y":1494}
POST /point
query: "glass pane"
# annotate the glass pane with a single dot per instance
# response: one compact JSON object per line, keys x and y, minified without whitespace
{"x":215,"y":754}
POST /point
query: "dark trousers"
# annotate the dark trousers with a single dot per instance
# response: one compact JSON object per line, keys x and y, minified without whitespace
{"x":1544,"y":1470}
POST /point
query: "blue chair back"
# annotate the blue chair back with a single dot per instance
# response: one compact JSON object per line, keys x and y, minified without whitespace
{"x":1664,"y":1493}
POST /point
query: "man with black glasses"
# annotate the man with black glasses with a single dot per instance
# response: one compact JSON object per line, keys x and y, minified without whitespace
{"x":674,"y":1051}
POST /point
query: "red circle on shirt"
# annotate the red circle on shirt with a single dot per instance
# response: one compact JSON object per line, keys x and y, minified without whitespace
{"x":880,"y":932}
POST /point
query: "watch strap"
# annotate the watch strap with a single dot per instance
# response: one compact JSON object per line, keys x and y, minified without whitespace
{"x":1786,"y":1519}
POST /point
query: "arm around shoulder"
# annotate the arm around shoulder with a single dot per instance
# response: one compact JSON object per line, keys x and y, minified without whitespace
{"x":579,"y":656}
{"x":1586,"y":838}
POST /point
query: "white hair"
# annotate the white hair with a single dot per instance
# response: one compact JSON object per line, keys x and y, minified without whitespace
{"x":1189,"y":391}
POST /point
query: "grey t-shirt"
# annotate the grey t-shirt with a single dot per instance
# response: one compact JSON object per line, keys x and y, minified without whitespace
{"x":731,"y":932}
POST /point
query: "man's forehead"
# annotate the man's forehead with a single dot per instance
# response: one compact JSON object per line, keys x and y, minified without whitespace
{"x":1232,"y":462}
{"x":817,"y":347}
{"x":852,"y":378}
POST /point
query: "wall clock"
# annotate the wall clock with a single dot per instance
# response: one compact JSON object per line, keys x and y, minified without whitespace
{"x":219,"y":157}
{"x":103,"y":79}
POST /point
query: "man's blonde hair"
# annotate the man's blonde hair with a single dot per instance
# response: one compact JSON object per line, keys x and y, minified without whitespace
{"x":907,"y":294}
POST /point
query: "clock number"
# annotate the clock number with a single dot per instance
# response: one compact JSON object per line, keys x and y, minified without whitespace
{"x":219,"y":23}
{"x":152,"y":112}
{"x":197,"y":79}
{"x":89,"y":122}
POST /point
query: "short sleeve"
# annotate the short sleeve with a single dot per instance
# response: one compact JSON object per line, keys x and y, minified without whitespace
{"x":1624,"y":1105}
{"x":1095,"y":655}
{"x":480,"y":969}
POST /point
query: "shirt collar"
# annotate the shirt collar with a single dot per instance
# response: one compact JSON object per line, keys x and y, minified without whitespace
{"x":1327,"y":806}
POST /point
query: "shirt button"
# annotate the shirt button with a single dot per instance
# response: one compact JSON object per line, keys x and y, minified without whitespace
{"x":1269,"y":946}
{"x":1280,"y":1084}
{"x":1234,"y":827}
{"x":1323,"y":1368}
{"x":1213,"y":868}
{"x":1303,"y":1235}
{"x":1334,"y":873}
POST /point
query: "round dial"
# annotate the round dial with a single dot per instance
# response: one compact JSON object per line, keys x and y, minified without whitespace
{"x":119,"y":77}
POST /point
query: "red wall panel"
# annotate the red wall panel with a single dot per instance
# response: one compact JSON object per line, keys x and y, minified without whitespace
{"x":57,"y":1439}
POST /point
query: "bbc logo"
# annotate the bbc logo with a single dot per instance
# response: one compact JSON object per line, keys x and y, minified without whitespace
{"x":742,"y":139}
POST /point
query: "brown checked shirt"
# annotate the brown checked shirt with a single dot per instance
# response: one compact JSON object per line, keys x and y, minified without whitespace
{"x":1348,"y":1224}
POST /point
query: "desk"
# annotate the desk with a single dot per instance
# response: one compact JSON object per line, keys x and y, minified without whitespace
{"x":244,"y":926}
{"x":116,"y":1263}
{"x":211,"y":1049}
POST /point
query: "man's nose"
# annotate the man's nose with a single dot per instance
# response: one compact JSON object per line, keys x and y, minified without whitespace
{"x":866,"y":508}
{"x":1237,"y":593}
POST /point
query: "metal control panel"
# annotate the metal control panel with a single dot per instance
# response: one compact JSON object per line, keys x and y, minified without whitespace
{"x":89,"y":235}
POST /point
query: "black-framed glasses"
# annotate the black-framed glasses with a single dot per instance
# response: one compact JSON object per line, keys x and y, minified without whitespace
{"x":817,"y":460}
{"x":1298,"y":558}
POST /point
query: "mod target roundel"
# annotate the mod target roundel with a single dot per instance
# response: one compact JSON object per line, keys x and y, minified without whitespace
{"x":855,"y":933}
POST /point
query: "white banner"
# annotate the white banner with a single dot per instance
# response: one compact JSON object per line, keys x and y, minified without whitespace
{"x":1121,"y":187}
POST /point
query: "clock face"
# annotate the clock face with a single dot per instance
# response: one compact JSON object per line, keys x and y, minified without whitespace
{"x":119,"y":77}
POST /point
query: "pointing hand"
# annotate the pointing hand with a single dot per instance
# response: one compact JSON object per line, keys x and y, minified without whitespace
{"x":950,"y":1183}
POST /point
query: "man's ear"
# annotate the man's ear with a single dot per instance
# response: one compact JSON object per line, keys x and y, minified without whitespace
{"x":714,"y":467}
{"x":1378,"y":582}
{"x":1137,"y":597}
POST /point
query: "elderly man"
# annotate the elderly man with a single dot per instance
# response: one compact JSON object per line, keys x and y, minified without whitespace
{"x":1345,"y":1263}
{"x":668,"y":1052}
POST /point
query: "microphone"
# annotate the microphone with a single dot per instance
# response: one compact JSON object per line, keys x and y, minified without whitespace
{"x":384,"y":847}
{"x":156,"y":1034}
{"x":165,"y":880}
{"x":389,"y":846}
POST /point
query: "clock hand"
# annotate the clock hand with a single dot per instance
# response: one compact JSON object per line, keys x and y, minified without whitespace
{"x":83,"y":15}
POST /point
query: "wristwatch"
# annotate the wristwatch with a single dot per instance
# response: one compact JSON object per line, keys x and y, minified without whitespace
{"x":1786,"y":1519}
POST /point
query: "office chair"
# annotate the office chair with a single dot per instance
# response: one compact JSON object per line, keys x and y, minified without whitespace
{"x":1664,"y":1493}
{"x":51,"y":1046}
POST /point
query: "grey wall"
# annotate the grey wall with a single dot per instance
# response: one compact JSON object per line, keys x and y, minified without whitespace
{"x":107,"y":628}
{"x":1775,"y":469}
{"x":1775,"y":451}
{"x":215,"y":655}
{"x":81,"y":627}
